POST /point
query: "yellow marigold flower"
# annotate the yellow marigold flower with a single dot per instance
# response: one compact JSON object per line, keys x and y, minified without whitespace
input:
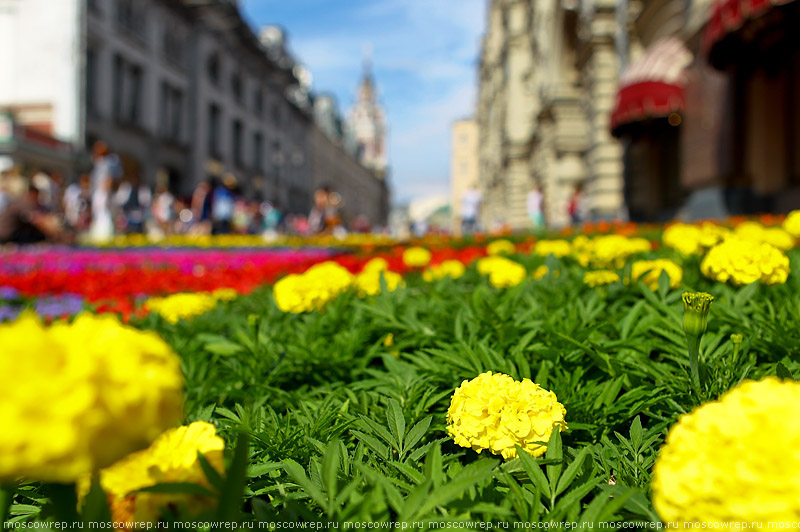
{"x":494,"y":412}
{"x":610,"y":251}
{"x":649,"y":271}
{"x":369,"y":282}
{"x":540,"y":272}
{"x":312,"y":289}
{"x":733,"y":460}
{"x":558,"y":248}
{"x":416,"y":257}
{"x":792,"y":224}
{"x":600,"y":277}
{"x":448,"y":268}
{"x":745,"y":261}
{"x":184,"y":305}
{"x":501,"y":247}
{"x":225,"y":294}
{"x":376,"y":264}
{"x":502,"y":272}
{"x":389,"y":340}
{"x":684,"y":238}
{"x":171,"y":458}
{"x":77,"y":397}
{"x":779,"y":238}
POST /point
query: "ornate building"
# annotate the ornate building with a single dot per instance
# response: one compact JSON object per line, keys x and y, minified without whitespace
{"x":547,"y":83}
{"x":368,"y":123}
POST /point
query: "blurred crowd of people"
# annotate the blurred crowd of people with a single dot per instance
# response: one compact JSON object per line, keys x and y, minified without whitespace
{"x":105,"y":202}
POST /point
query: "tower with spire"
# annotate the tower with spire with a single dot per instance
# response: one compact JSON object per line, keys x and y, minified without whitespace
{"x":368,"y":121}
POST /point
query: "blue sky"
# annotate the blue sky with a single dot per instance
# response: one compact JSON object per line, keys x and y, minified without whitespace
{"x":424,"y":55}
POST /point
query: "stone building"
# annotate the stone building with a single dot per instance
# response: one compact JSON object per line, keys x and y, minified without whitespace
{"x":548,"y":76}
{"x":463,"y":165}
{"x":182,"y":90}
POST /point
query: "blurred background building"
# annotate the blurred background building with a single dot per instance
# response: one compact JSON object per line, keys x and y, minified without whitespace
{"x":183,"y":91}
{"x":463,"y":168}
{"x":656,"y":108}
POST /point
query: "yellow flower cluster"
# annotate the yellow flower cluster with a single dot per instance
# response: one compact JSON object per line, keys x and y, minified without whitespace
{"x":792,"y":224}
{"x":607,"y":251}
{"x":171,"y":458}
{"x":313,"y":289}
{"x":600,"y":278}
{"x":187,"y":305}
{"x":501,"y":247}
{"x":756,"y":232}
{"x":693,"y":239}
{"x":376,"y":264}
{"x":734,"y":460}
{"x":416,"y":257}
{"x":541,"y":271}
{"x":368,"y":283}
{"x":350,"y":240}
{"x":649,"y":271}
{"x":448,"y":268}
{"x":77,"y":397}
{"x":745,"y":261}
{"x":558,"y":248}
{"x":494,"y":412}
{"x":502,"y":272}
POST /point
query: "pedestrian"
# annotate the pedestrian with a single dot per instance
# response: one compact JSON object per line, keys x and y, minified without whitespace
{"x":161,"y":209}
{"x":534,"y":204}
{"x":318,"y":217}
{"x":201,"y":208}
{"x":470,"y":206}
{"x":25,"y":221}
{"x":222,"y":205}
{"x":576,"y":208}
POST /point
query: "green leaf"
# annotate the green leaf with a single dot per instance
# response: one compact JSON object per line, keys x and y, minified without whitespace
{"x":95,"y":506}
{"x":783,"y":372}
{"x":571,"y":471}
{"x":330,"y":472}
{"x":230,"y":502}
{"x":298,"y":475}
{"x":397,"y":423}
{"x":212,"y":475}
{"x":534,"y":472}
{"x":636,"y":433}
{"x":416,"y":433}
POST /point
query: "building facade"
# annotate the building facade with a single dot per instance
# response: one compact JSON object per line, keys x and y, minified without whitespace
{"x":548,"y":76}
{"x":182,"y":90}
{"x":463,"y":165}
{"x":657,"y":108}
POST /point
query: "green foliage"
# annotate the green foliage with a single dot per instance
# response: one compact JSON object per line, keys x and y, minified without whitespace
{"x":341,"y":427}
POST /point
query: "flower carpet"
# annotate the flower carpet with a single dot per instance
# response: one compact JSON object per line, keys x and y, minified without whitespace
{"x":630,"y":376}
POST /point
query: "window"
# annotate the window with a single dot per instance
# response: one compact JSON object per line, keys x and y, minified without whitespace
{"x":236,"y":87}
{"x":236,"y":147}
{"x":258,"y":155}
{"x":214,"y":117}
{"x":213,"y":68}
{"x":258,"y":102}
{"x":171,"y":112}
{"x":174,"y":43}
{"x":131,"y":17}
{"x":127,"y":86}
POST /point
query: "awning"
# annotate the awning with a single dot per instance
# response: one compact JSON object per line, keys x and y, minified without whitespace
{"x":652,"y":86}
{"x":728,"y":16}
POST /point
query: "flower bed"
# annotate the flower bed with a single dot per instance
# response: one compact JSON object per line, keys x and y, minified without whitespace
{"x":595,"y":378}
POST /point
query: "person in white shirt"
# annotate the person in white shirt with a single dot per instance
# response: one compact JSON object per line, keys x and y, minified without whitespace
{"x":470,"y":205}
{"x":534,"y":204}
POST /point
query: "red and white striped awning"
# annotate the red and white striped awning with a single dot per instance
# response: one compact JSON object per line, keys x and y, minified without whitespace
{"x":728,"y":16}
{"x":652,"y":86}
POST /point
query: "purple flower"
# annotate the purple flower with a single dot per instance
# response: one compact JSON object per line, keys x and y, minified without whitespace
{"x":8,"y":313}
{"x":7,"y":293}
{"x":56,"y":306}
